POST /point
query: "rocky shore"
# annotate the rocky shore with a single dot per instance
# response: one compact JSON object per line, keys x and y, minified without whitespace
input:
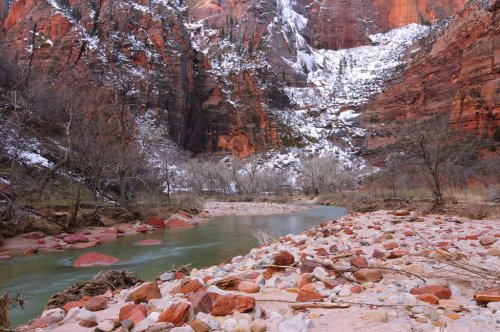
{"x":380,"y":271}
{"x":252,"y":208}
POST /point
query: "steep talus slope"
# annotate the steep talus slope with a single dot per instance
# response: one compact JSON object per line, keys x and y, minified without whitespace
{"x":456,"y":71}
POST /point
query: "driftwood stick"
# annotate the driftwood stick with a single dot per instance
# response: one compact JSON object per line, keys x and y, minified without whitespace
{"x":323,"y":305}
{"x":349,"y":254}
{"x":342,"y":272}
{"x":280,"y":266}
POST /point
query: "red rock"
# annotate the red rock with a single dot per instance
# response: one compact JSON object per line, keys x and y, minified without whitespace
{"x":471,"y":237}
{"x":489,"y":295}
{"x":252,"y":275}
{"x":228,"y":304}
{"x":356,"y":289}
{"x":73,"y":304}
{"x":409,"y":233}
{"x":146,"y":292}
{"x":488,"y":240}
{"x":175,"y":314}
{"x":179,"y":275}
{"x":41,"y":242}
{"x":283,"y":258}
{"x":96,"y":303}
{"x":440,"y":292}
{"x":308,"y":266}
{"x":177,"y":222}
{"x":396,"y":254}
{"x":390,"y":245}
{"x":93,"y":259}
{"x":359,"y":262}
{"x":308,"y":293}
{"x":378,"y":254}
{"x":90,"y":244}
{"x":191,"y":286}
{"x":156,"y":221}
{"x":149,"y":242}
{"x":199,"y":326}
{"x":429,"y":298}
{"x":331,"y":284}
{"x":76,"y":238}
{"x":303,"y":280}
{"x":134,"y":312}
{"x":321,"y":252}
{"x":107,"y":235}
{"x":348,"y":231}
{"x":367,"y":275}
{"x":201,"y":301}
{"x":248,"y":287}
{"x":33,"y":235}
{"x":88,"y":323}
{"x":141,"y":229}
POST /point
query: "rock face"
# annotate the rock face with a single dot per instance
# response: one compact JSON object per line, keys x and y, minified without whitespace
{"x":455,"y":71}
{"x":338,"y":24}
{"x":212,"y":72}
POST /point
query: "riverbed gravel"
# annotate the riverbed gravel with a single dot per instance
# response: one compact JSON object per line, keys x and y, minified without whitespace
{"x":379,"y":271}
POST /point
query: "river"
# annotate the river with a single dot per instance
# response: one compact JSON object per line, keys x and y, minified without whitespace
{"x":38,"y":277}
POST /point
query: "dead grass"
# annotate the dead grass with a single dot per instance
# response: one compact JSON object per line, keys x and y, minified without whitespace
{"x":474,"y":203}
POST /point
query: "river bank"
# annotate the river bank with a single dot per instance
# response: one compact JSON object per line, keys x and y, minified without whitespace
{"x":376,"y":271}
{"x":88,"y":237}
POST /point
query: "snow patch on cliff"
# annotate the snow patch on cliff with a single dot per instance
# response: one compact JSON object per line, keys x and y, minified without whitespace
{"x":324,"y":117}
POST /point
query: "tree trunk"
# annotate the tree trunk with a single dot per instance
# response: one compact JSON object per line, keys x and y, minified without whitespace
{"x":123,"y":190}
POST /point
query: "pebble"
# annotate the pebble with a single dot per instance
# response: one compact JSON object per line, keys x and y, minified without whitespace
{"x":380,"y":315}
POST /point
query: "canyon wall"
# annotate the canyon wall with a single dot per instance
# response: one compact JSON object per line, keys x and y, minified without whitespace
{"x":455,"y":71}
{"x":214,"y":71}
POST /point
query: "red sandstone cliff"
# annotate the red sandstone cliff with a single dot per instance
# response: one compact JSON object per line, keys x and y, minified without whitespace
{"x":456,"y":71}
{"x":212,"y":70}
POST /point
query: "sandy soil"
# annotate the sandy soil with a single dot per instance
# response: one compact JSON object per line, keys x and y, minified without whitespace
{"x":251,"y":209}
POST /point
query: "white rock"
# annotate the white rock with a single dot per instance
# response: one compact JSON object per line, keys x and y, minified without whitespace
{"x":79,"y":314}
{"x":494,"y":306}
{"x":169,"y":276}
{"x":52,"y":316}
{"x":159,"y":305}
{"x":229,"y":324}
{"x":258,"y":325}
{"x":377,"y":316}
{"x":455,"y":291}
{"x":344,"y":292}
{"x":294,"y":324}
{"x":242,"y":317}
{"x":216,"y":290}
{"x":320,"y":273}
{"x":153,"y":317}
{"x":209,"y":320}
{"x":182,"y":329}
{"x":275,"y":315}
{"x":438,"y":281}
{"x":141,"y":326}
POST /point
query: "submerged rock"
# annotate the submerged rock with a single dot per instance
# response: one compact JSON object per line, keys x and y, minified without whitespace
{"x":93,"y":259}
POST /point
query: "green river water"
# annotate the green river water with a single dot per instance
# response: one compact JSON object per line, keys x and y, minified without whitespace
{"x":38,"y":277}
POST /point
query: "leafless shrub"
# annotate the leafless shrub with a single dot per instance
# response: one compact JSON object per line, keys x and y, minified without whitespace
{"x":262,"y":236}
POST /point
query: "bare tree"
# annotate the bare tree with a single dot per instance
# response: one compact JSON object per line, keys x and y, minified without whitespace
{"x":435,"y":149}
